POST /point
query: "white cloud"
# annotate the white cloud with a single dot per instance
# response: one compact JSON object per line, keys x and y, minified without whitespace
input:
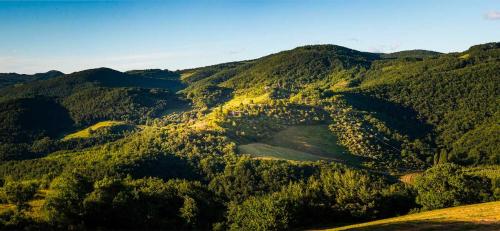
{"x":492,"y":15}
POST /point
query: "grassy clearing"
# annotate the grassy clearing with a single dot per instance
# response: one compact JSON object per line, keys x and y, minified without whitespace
{"x":36,"y":205}
{"x":314,"y":139}
{"x":410,"y":178}
{"x":85,"y":133}
{"x":186,"y":75}
{"x":266,"y":151}
{"x":484,"y":216}
{"x":245,"y":99}
{"x":465,"y":56}
{"x":308,"y":142}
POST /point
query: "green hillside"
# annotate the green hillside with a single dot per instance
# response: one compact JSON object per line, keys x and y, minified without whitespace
{"x":313,"y":136}
{"x":46,"y":109}
{"x":483,"y":216}
{"x":425,"y":100}
{"x":9,"y":79}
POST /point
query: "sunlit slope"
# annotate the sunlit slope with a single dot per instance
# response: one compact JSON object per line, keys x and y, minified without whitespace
{"x":85,"y":133}
{"x":485,"y":216}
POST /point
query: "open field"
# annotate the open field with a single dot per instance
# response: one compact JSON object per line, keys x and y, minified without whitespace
{"x":484,"y":216}
{"x":266,"y":151}
{"x":85,"y":133}
{"x":308,"y":142}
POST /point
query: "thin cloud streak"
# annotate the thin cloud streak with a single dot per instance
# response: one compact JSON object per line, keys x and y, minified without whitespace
{"x":492,"y":15}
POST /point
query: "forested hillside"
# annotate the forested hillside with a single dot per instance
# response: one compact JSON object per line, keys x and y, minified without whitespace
{"x":42,"y":110}
{"x":316,"y":136}
{"x":8,"y":79}
{"x":447,"y":101}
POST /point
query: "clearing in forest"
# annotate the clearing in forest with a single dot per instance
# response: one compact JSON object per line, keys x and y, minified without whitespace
{"x":306,"y":142}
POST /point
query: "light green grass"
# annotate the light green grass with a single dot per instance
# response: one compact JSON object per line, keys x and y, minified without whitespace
{"x":308,"y":142}
{"x":85,"y":133}
{"x":266,"y":151}
{"x":465,"y":56}
{"x":484,"y":216}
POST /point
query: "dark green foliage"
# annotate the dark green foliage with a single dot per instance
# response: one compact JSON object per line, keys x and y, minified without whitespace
{"x":64,"y":204}
{"x":8,"y":79}
{"x":455,"y":93}
{"x":209,"y":95}
{"x":109,"y":202}
{"x":17,"y":220}
{"x":335,"y":194}
{"x":417,"y":54}
{"x":271,"y":212}
{"x":32,"y":169}
{"x":202,"y":73}
{"x":155,"y":73}
{"x":246,"y":177}
{"x":57,"y":105}
{"x":132,"y":104}
{"x":66,"y":85}
{"x":446,"y":185}
{"x":19,"y":193}
{"x":23,"y":120}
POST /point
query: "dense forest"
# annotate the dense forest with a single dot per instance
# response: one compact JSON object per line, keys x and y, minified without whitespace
{"x":311,"y":137}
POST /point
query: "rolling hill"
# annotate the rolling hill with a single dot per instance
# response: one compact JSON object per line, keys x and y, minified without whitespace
{"x":8,"y":79}
{"x":483,"y":216}
{"x":420,"y":95}
{"x":318,"y":134}
{"x":54,"y":106}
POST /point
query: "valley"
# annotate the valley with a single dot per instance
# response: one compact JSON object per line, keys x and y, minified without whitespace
{"x":315,"y":135}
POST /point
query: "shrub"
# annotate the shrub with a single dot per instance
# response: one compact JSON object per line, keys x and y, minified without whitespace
{"x":446,"y":185}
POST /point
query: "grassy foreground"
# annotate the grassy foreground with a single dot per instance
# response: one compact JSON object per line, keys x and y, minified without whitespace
{"x":484,"y":216}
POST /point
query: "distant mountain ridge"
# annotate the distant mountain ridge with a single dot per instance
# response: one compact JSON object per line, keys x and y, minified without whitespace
{"x":7,"y":79}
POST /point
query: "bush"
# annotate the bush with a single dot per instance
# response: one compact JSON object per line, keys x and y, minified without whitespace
{"x":446,"y":185}
{"x":19,"y":193}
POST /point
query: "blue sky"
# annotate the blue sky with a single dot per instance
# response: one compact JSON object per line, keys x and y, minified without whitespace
{"x":37,"y":36}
